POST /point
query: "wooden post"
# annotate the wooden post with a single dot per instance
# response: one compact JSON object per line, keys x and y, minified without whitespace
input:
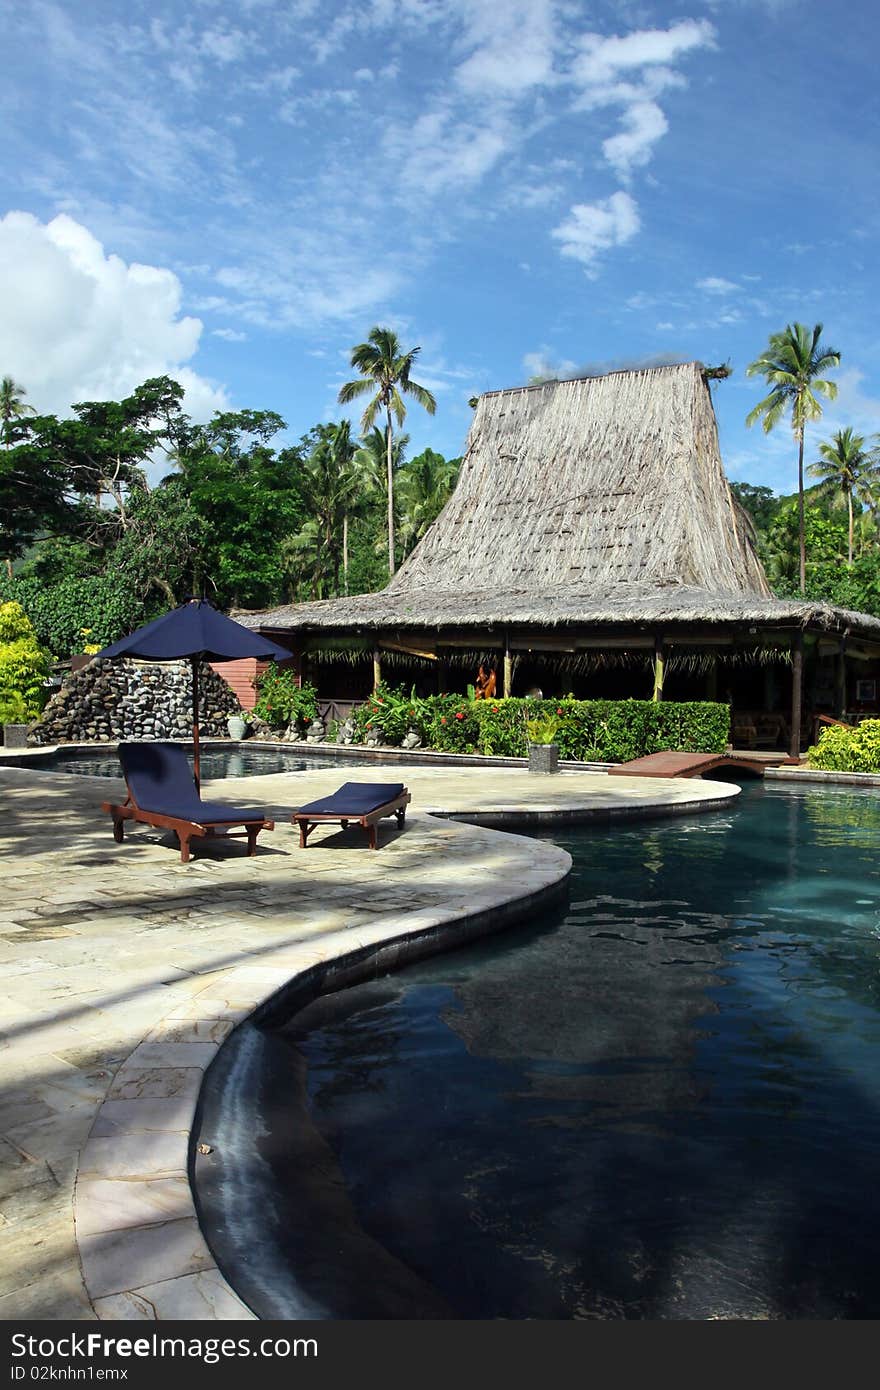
{"x":507,"y":681}
{"x":377,"y":670}
{"x":840,"y":681}
{"x":797,"y":694}
{"x":659,"y":667}
{"x":296,"y":665}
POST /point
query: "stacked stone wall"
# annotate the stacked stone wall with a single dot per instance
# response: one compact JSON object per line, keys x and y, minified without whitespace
{"x":112,"y":700}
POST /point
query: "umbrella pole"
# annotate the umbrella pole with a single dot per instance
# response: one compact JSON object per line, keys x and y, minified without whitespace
{"x":195,"y":666}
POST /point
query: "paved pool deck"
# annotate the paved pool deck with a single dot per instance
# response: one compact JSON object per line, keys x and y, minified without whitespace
{"x":122,"y":971}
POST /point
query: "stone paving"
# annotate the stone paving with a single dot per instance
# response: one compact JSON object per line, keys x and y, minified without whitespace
{"x":123,"y":970}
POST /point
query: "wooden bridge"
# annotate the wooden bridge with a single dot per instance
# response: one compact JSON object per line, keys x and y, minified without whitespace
{"x":696,"y":764}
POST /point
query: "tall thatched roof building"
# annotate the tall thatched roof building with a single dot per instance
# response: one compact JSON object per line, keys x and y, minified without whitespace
{"x":591,"y":530}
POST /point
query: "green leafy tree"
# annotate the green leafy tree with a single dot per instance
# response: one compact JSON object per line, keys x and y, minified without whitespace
{"x":847,"y":469}
{"x":792,"y":365}
{"x":385,"y":371}
{"x":23,"y":666}
{"x":246,"y":494}
{"x":760,"y":502}
{"x":424,"y":486}
{"x":12,"y":407}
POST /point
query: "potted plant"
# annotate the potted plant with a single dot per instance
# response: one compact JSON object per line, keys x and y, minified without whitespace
{"x":543,"y":752}
{"x":237,"y":724}
{"x":14,"y":718}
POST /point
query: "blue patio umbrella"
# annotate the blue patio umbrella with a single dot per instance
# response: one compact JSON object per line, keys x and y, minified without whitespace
{"x":198,"y":631}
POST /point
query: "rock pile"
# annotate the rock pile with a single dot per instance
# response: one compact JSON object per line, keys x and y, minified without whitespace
{"x":111,"y":700}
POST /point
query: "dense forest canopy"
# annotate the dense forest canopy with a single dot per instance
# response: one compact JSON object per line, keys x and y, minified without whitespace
{"x":91,"y":550}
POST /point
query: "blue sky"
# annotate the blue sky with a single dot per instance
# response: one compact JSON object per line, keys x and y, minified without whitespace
{"x":236,"y":193}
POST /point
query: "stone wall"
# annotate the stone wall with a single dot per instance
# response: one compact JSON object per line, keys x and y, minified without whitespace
{"x":111,"y":700}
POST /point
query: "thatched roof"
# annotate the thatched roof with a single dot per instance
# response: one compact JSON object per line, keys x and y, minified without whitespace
{"x":600,"y":500}
{"x":606,"y":480}
{"x":564,"y":605}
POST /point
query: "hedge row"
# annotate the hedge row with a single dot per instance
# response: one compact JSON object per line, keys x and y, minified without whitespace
{"x":848,"y":750}
{"x":608,"y":731}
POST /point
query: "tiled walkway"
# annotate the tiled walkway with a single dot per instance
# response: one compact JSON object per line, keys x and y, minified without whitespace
{"x":123,"y":970}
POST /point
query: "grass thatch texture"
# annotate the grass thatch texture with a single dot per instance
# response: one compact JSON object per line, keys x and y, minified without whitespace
{"x":607,"y":480}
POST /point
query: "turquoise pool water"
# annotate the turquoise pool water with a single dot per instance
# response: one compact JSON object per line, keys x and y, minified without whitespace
{"x":663,"y":1103}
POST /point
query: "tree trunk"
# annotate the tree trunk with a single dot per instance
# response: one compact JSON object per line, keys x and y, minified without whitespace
{"x":802,"y":533}
{"x":850,"y":508}
{"x":345,"y":553}
{"x":390,"y":482}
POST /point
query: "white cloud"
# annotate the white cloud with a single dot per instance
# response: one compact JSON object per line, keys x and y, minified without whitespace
{"x":512,"y":47}
{"x":229,"y":335}
{"x":602,"y":59}
{"x":78,"y":324}
{"x":715,"y":284}
{"x":442,"y":151}
{"x":643,"y":125}
{"x":591,"y":228}
{"x":631,"y":71}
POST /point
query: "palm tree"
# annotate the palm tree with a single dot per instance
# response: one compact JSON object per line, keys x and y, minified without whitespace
{"x":372,"y":461}
{"x":847,"y":467}
{"x":329,"y":484}
{"x":792,"y":364}
{"x":385,"y":370}
{"x":12,"y":406}
{"x":424,"y":487}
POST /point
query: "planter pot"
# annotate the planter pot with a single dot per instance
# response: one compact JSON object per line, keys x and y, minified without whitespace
{"x":15,"y":735}
{"x":543,"y":757}
{"x":236,"y":726}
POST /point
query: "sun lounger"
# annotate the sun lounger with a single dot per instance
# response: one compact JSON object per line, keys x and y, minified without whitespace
{"x":162,"y":793}
{"x":363,"y":802}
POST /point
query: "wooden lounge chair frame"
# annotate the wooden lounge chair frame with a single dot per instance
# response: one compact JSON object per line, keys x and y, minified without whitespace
{"x":185,"y":829}
{"x":369,"y":819}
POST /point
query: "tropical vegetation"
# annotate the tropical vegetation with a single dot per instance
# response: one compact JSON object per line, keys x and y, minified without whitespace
{"x":587,"y":730}
{"x":792,"y":365}
{"x":93,"y":539}
{"x":385,"y":371}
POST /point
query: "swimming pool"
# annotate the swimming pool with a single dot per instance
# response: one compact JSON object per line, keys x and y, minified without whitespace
{"x":662,"y":1103}
{"x":250,"y":760}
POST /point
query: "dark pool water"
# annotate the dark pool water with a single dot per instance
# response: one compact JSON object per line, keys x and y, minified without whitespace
{"x":247,"y":761}
{"x":663,"y":1103}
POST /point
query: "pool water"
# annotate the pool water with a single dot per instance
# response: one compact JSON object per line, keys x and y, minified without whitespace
{"x":248,"y":761}
{"x":662,"y":1103}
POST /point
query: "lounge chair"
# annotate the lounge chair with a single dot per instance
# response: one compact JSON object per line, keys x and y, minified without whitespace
{"x":364,"y":802}
{"x":162,"y":792}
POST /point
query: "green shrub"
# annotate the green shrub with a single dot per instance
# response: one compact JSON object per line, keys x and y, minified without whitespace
{"x":847,"y":750}
{"x":281,"y":701}
{"x":13,"y":709}
{"x":393,"y":713}
{"x":611,"y":731}
{"x":106,"y":605}
{"x":23,"y":666}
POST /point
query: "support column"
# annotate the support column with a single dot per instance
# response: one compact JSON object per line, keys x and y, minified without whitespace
{"x":507,"y":683}
{"x":840,"y":681}
{"x":797,"y":694}
{"x":712,"y":679}
{"x":296,"y":665}
{"x":659,"y":667}
{"x":377,"y":669}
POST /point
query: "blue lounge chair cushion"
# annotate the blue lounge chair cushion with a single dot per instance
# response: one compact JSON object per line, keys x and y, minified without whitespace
{"x":354,"y":799}
{"x":161,"y":781}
